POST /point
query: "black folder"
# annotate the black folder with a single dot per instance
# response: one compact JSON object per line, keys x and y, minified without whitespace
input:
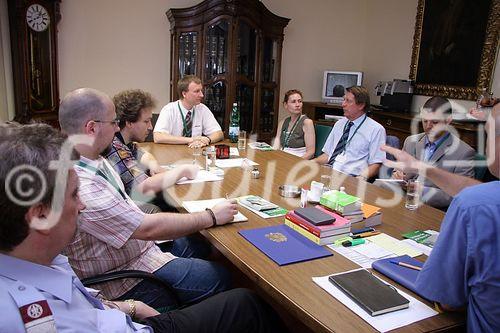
{"x":369,"y":292}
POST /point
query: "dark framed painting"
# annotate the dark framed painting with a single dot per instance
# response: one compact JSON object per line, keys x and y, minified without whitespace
{"x":454,"y":47}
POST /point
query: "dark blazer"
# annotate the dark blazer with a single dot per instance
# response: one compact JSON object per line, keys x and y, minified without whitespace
{"x":452,"y":155}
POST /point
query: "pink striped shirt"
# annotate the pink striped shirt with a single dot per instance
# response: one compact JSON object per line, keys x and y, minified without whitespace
{"x":102,"y":242}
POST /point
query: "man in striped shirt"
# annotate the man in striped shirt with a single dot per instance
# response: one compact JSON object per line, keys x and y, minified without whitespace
{"x":113,"y":233}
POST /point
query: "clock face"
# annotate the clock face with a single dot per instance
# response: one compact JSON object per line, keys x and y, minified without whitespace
{"x":37,"y":17}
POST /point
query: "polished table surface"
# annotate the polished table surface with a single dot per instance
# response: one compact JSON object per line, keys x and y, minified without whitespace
{"x":291,"y":285}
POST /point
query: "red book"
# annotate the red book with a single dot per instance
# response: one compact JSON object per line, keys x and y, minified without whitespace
{"x":339,"y":226}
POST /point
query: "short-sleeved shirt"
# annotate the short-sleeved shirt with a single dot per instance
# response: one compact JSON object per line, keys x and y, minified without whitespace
{"x":362,"y":150}
{"x":124,"y":159}
{"x":103,"y":240}
{"x":72,"y":306}
{"x":170,"y":120}
{"x":463,"y":269}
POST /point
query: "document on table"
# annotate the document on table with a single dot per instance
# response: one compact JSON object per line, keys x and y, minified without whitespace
{"x":202,"y":176}
{"x":173,"y":166}
{"x":234,"y":163}
{"x":417,"y":310}
{"x":233,"y":151}
{"x":358,"y":257}
{"x":394,"y":245}
{"x":200,"y":205}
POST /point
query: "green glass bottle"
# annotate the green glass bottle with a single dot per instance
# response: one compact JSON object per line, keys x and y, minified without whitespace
{"x":234,"y":125}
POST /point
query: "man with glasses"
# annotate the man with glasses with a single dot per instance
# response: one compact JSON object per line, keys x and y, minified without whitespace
{"x":39,"y":291}
{"x":114,"y":234}
{"x":353,"y":146}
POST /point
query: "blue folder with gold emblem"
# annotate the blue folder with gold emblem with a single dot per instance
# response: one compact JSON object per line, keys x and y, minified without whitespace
{"x":283,"y":245}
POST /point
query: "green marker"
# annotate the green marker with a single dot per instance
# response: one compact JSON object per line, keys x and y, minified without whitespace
{"x":353,"y":242}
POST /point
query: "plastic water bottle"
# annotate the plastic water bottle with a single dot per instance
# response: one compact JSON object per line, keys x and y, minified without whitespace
{"x":234,"y":126}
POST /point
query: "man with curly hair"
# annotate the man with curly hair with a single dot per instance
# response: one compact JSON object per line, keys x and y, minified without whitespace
{"x":138,"y":169}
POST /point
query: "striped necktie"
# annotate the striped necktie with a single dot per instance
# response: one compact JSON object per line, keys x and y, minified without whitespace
{"x":189,"y":124}
{"x":341,"y":144}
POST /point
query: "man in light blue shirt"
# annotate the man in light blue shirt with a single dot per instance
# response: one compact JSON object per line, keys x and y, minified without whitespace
{"x":39,"y":292}
{"x":353,"y":146}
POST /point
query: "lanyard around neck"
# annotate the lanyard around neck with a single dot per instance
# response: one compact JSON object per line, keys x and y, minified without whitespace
{"x":355,"y":131}
{"x":289,"y":135}
{"x":184,"y":119}
{"x":109,"y":179}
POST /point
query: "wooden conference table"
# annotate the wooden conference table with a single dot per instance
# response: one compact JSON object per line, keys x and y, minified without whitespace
{"x":291,"y":285}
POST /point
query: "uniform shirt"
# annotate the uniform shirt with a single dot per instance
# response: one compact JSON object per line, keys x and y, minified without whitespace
{"x":362,"y":150}
{"x":124,"y":159}
{"x":463,"y":269}
{"x":73,"y":308}
{"x":170,"y":120}
{"x":102,"y":242}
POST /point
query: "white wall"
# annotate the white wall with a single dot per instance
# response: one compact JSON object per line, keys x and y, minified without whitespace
{"x":114,"y":45}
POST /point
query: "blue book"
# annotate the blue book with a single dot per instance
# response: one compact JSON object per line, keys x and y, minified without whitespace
{"x":403,"y":275}
{"x":283,"y":245}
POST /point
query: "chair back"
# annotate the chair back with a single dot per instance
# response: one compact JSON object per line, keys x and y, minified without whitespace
{"x":392,"y":141}
{"x":322,"y":132}
{"x":480,"y":166}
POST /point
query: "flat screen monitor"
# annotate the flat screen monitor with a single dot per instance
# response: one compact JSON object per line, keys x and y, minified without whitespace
{"x":335,"y":82}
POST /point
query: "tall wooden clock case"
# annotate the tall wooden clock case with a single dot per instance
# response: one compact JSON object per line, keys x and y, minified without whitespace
{"x":33,"y":35}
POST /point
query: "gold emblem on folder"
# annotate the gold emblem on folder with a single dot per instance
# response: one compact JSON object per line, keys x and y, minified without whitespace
{"x":277,"y":237}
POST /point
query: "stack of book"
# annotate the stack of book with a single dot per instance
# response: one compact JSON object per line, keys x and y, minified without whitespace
{"x":349,"y":206}
{"x":367,"y":216}
{"x":319,"y":234}
{"x":341,"y":202}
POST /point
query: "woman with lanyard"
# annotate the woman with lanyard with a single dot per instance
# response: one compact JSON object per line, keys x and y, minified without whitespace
{"x":296,"y":132}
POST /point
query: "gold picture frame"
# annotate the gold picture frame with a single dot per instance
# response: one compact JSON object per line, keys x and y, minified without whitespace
{"x":439,"y":77}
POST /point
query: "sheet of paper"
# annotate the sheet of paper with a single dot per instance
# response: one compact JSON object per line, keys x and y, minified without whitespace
{"x":172,"y":166}
{"x":415,"y":312}
{"x":233,"y":151}
{"x":202,"y":176}
{"x":200,"y":205}
{"x":355,"y":256}
{"x":234,"y":163}
{"x":372,"y":250}
{"x":394,"y":245}
{"x":418,"y":247}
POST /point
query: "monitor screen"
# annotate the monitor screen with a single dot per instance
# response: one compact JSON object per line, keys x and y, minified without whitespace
{"x":335,"y":82}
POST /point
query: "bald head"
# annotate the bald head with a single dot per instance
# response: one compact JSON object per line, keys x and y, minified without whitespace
{"x":79,"y":107}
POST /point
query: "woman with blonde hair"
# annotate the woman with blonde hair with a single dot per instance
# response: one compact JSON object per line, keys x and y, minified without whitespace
{"x":295,"y":134}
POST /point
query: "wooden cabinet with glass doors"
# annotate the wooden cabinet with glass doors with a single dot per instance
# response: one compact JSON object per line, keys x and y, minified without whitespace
{"x":235,"y":48}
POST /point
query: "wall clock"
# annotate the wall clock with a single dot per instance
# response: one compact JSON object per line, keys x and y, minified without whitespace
{"x":33,"y":35}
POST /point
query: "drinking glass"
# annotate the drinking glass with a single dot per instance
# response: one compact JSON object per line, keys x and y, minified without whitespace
{"x":412,"y":194}
{"x":211,"y":158}
{"x":242,"y":140}
{"x":326,"y":177}
{"x":196,"y":154}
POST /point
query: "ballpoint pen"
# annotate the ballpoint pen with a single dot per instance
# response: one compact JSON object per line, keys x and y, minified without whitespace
{"x":366,"y":234}
{"x":400,"y":263}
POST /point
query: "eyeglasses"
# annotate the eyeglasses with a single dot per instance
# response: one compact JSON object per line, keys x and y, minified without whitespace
{"x":115,"y":121}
